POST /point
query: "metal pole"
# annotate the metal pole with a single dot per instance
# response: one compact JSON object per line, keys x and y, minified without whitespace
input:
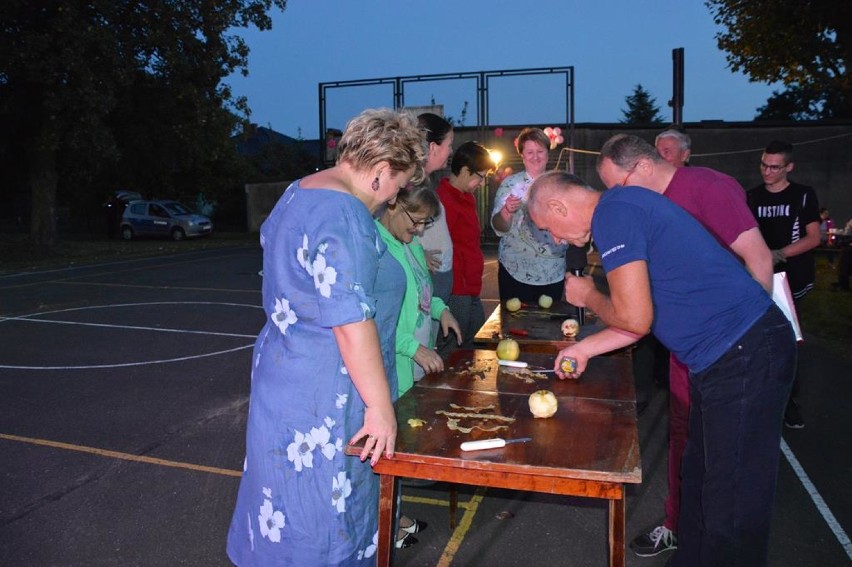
{"x":677,"y":86}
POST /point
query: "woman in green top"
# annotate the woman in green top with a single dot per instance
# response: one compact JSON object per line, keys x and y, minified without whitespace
{"x":399,"y":227}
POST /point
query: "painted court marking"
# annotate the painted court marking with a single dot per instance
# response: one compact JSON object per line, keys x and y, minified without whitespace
{"x":31,"y":318}
{"x":470,"y":508}
{"x":820,"y":504}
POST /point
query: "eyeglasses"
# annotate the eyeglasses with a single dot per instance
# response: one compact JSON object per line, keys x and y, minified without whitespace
{"x":629,"y":173}
{"x":425,"y":223}
{"x":772,"y":168}
{"x":479,"y":175}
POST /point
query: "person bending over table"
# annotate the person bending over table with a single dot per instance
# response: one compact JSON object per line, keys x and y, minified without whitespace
{"x":705,"y":308}
{"x":321,"y":364}
{"x":718,"y":202}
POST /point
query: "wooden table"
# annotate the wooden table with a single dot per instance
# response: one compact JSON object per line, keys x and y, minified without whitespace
{"x":607,"y":377}
{"x":535,"y":329}
{"x":589,"y":448}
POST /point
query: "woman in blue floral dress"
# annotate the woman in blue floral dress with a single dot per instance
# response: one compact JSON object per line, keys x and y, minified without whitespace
{"x":321,"y":364}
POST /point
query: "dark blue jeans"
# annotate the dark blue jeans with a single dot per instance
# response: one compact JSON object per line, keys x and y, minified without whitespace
{"x":730,"y":465}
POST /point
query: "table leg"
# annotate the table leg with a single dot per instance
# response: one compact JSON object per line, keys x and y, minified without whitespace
{"x":616,"y":532}
{"x":454,"y":504}
{"x":387,"y":502}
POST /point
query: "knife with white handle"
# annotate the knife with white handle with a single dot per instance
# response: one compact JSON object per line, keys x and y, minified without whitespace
{"x":521,"y":364}
{"x":491,"y":443}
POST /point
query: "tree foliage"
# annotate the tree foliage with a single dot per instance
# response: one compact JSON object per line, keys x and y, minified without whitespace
{"x":806,"y":46}
{"x":641,"y":108}
{"x":107,"y":93}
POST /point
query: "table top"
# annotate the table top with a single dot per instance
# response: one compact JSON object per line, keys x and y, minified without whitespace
{"x":606,"y":378}
{"x":587,"y":439}
{"x":535,"y":326}
{"x":592,"y":437}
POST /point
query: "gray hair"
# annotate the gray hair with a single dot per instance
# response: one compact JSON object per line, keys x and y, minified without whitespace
{"x":679,"y":135}
{"x":625,"y":151}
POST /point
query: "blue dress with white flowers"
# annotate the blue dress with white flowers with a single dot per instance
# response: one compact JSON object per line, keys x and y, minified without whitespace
{"x":301,"y":500}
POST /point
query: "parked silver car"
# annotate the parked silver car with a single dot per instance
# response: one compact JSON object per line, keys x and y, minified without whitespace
{"x":163,"y":218}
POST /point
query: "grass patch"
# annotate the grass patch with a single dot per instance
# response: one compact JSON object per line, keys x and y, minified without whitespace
{"x":827,"y":314}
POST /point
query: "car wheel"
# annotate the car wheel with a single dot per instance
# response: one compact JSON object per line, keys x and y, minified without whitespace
{"x":126,"y":233}
{"x":178,"y":233}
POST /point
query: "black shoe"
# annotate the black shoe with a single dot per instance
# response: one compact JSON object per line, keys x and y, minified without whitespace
{"x":405,"y":542}
{"x":653,"y":543}
{"x":793,"y":417}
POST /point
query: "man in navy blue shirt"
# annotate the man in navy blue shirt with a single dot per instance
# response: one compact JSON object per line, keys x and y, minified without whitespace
{"x":669,"y":276}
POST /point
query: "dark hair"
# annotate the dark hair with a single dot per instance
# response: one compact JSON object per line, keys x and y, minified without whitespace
{"x":531,"y":134}
{"x":436,"y":127}
{"x":472,"y":155}
{"x":625,"y":150}
{"x":779,"y":147}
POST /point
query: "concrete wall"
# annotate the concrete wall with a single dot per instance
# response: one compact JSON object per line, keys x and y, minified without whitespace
{"x":260,"y":200}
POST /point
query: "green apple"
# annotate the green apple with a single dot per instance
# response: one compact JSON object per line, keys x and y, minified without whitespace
{"x":513,"y":304}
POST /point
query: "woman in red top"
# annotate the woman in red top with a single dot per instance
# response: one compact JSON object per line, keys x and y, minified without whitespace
{"x":471,"y":161}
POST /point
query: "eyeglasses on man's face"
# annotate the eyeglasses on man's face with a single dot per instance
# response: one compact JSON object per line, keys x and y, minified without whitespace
{"x":425,"y":223}
{"x":772,"y":168}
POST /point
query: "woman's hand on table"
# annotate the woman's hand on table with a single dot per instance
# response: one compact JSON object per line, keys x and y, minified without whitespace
{"x":380,"y":431}
{"x":429,"y":360}
{"x":448,"y":321}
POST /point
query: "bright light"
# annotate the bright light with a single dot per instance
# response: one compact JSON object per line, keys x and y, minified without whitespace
{"x":496,"y":157}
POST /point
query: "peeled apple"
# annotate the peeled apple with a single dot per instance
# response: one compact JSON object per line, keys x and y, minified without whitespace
{"x":570,"y":327}
{"x":542,"y":403}
{"x":508,"y":349}
{"x":545,"y":301}
{"x":513,"y":304}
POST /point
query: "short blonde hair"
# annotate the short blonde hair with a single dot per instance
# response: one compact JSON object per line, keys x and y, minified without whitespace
{"x":382,"y":134}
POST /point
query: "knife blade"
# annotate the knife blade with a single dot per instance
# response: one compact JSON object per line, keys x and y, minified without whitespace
{"x":522,"y":364}
{"x":491,"y":443}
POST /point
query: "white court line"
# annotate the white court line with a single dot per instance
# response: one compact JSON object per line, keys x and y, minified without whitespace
{"x":111,"y":305}
{"x":820,"y":504}
{"x":126,"y":364}
{"x":29,"y":319}
{"x":128,"y":327}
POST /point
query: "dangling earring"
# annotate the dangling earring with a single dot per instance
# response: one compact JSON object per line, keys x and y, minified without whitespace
{"x":375,"y":184}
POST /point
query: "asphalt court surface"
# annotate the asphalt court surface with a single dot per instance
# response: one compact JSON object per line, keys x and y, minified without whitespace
{"x":123,"y":393}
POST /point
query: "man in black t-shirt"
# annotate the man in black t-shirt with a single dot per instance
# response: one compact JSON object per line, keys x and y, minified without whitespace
{"x":788,"y":216}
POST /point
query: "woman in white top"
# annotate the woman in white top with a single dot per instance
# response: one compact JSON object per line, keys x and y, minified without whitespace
{"x":530,"y":262}
{"x":436,"y":239}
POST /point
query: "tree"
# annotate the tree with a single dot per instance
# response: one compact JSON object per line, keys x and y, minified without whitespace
{"x":85,"y":85}
{"x":806,"y":46}
{"x":641,"y":108}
